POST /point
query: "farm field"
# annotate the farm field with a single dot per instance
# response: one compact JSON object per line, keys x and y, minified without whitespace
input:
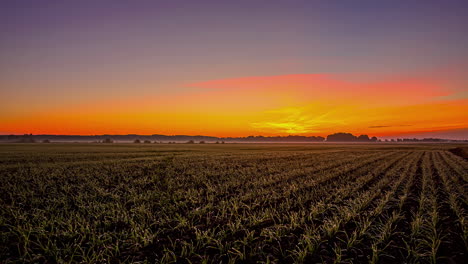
{"x":233,"y":203}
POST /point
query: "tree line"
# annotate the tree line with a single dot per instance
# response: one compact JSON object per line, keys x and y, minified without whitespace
{"x":336,"y":137}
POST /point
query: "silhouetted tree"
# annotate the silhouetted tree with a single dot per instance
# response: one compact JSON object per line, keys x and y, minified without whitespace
{"x":374,"y":139}
{"x":202,"y":142}
{"x":27,"y":139}
{"x":341,"y":137}
{"x":137,"y":141}
{"x":107,"y":140}
{"x":45,"y":141}
{"x":190,"y":142}
{"x":363,"y":138}
{"x":147,"y":142}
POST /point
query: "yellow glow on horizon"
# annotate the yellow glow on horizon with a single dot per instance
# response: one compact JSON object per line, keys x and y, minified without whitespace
{"x":276,"y":105}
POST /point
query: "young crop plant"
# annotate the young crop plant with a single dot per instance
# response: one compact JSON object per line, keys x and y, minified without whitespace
{"x":232,"y":203}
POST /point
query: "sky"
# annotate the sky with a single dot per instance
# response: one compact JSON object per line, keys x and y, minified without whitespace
{"x":234,"y":68}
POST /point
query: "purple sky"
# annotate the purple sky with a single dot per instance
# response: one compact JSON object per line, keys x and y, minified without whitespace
{"x":63,"y":52}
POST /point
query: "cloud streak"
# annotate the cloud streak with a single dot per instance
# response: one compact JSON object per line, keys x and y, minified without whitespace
{"x":389,"y":126}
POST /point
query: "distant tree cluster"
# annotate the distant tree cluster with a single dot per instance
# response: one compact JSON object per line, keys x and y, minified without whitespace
{"x":26,"y":138}
{"x":289,"y":138}
{"x":428,"y":140}
{"x":108,"y":140}
{"x":348,"y":137}
{"x":338,"y":137}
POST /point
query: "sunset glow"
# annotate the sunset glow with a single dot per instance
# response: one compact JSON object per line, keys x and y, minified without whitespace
{"x":67,"y":69}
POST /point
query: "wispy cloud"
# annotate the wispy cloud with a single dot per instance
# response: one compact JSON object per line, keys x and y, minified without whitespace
{"x":388,"y":90}
{"x":389,"y":126}
{"x":454,"y":96}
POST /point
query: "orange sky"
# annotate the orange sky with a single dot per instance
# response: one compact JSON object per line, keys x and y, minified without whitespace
{"x":233,"y":68}
{"x":304,"y":104}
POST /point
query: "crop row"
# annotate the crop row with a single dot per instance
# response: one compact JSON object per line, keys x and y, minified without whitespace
{"x":328,"y":206}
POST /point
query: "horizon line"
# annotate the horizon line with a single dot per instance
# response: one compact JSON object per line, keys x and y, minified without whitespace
{"x":237,"y":137}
